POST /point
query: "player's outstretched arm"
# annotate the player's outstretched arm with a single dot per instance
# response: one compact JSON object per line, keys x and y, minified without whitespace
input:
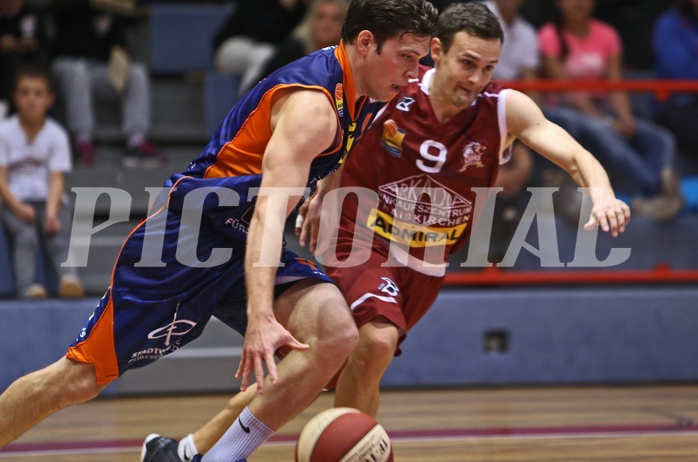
{"x":285,"y":168}
{"x":526,"y":121}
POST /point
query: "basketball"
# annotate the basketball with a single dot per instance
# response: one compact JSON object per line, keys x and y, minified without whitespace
{"x":342,"y":435}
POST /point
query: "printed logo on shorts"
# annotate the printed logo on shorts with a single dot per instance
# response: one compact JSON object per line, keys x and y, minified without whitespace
{"x":172,"y":334}
{"x":388,"y":287}
{"x":176,"y":328}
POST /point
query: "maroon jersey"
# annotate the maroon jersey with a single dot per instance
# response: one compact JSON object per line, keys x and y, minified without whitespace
{"x":423,"y":172}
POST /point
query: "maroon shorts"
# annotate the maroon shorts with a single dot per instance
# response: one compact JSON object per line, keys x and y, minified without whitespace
{"x":400,"y":294}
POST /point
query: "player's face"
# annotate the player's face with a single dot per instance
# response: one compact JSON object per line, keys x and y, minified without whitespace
{"x":464,"y":71}
{"x":32,"y":98}
{"x":394,"y":66}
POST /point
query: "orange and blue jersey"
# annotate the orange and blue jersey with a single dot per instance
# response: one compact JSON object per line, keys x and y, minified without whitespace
{"x":184,"y":262}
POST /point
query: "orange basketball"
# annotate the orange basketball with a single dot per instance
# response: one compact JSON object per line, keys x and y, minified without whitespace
{"x":341,"y":435}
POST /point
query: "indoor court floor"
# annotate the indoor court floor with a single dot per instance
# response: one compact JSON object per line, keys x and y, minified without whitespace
{"x":594,"y":423}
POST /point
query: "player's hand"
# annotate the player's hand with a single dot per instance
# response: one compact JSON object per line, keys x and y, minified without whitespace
{"x":611,"y":215}
{"x":262,"y":339}
{"x":308,"y":223}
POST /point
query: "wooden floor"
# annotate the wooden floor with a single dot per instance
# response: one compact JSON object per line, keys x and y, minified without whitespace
{"x":503,"y":424}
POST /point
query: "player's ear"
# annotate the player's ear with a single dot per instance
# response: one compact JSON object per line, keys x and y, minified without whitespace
{"x":436,"y":49}
{"x":364,"y":42}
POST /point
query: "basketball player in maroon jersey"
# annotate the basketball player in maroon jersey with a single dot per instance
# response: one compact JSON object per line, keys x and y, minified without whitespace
{"x":446,"y":134}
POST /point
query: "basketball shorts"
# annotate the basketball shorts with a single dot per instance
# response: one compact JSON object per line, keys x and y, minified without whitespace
{"x":397,"y":293}
{"x":159,"y":301}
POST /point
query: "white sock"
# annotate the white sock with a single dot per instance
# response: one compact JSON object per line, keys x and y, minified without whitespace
{"x":241,"y":439}
{"x":187,"y":449}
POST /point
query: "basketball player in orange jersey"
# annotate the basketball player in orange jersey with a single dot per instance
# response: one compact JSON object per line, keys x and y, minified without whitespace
{"x":446,"y":133}
{"x":288,"y":132}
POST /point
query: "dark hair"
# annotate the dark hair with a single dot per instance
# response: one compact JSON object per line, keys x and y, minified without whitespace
{"x":388,"y":18}
{"x":686,"y":8}
{"x":559,"y":22}
{"x":33,"y":71}
{"x":474,"y":18}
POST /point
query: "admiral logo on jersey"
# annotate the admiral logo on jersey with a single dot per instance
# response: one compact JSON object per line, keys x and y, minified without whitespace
{"x":392,"y":138}
{"x":472,"y":155}
{"x":411,"y":235}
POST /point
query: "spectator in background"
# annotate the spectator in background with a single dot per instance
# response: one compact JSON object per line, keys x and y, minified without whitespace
{"x":248,"y":38}
{"x":675,"y":41}
{"x":91,"y":60}
{"x":638,"y":153}
{"x":22,"y":40}
{"x":518,"y":60}
{"x":34,"y":156}
{"x":629,"y":17}
{"x":321,"y":27}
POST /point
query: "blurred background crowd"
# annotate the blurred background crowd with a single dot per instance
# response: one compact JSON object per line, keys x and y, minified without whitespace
{"x":123,"y":93}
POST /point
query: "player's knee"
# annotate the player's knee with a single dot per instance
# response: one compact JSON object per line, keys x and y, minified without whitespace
{"x":377,"y":346}
{"x":339,"y":339}
{"x":345,"y":339}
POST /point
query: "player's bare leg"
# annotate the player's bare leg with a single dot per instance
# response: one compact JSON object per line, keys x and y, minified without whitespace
{"x":314,"y":313}
{"x":359,"y":383}
{"x":206,"y":436}
{"x":32,"y":398}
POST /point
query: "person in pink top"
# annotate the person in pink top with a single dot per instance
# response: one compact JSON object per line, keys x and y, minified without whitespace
{"x":637,"y":152}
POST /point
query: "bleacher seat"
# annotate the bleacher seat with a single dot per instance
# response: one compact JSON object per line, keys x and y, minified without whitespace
{"x":45,"y":274}
{"x":220,"y":94}
{"x":181,"y":36}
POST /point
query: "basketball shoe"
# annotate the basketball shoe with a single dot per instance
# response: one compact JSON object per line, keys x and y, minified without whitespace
{"x":158,"y":448}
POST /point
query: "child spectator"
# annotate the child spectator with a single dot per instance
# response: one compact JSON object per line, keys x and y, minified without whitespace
{"x":34,"y":156}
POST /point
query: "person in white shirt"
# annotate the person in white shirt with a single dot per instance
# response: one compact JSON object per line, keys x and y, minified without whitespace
{"x":519,"y":59}
{"x":34,"y":156}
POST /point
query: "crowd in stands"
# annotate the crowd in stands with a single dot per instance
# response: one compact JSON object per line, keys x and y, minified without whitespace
{"x":84,"y":45}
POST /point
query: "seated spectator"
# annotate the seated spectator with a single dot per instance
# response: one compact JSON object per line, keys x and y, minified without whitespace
{"x":518,"y":60}
{"x":248,"y":38}
{"x":638,"y":153}
{"x":321,"y":27}
{"x":34,"y":156}
{"x":675,"y":40}
{"x":22,"y":41}
{"x":87,"y":40}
